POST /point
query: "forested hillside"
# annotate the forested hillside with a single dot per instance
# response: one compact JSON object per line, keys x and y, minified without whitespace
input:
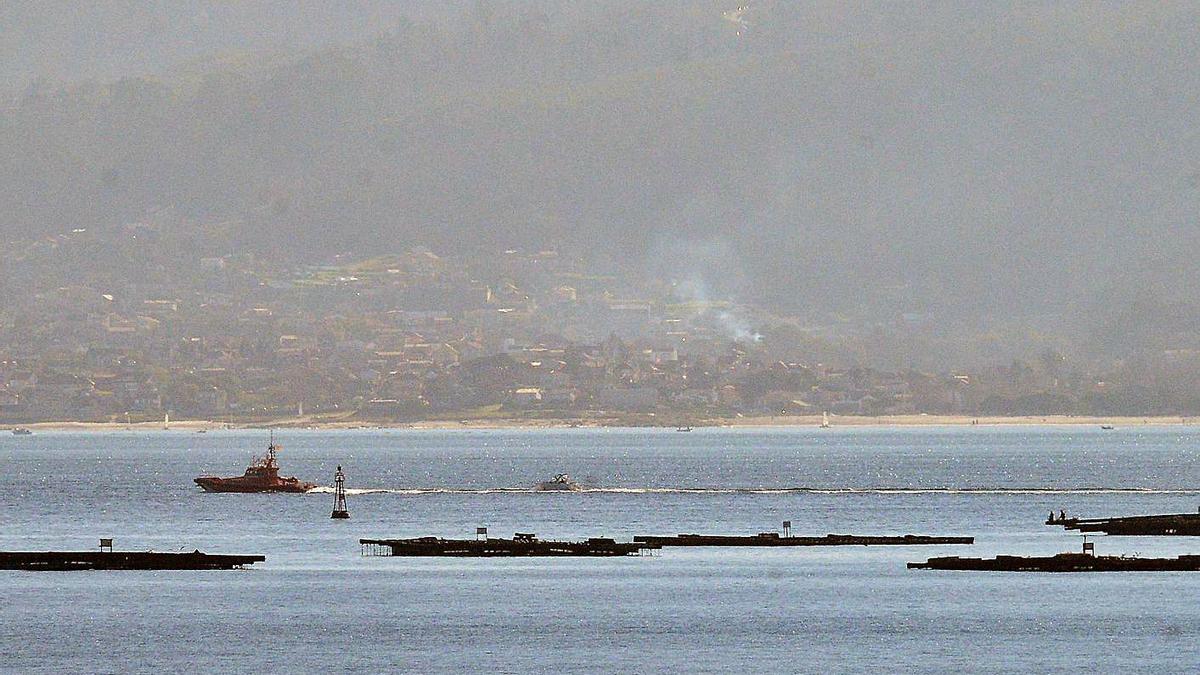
{"x":953,"y":161}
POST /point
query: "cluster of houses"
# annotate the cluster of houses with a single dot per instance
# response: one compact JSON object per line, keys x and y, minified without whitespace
{"x":416,"y":335}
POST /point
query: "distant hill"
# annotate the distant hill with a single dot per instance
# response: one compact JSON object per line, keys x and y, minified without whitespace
{"x":964,"y":163}
{"x":66,"y":40}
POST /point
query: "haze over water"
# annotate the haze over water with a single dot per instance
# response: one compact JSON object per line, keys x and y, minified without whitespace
{"x":316,"y":604}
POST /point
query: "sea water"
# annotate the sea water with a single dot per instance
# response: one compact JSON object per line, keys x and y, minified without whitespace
{"x":316,"y":604}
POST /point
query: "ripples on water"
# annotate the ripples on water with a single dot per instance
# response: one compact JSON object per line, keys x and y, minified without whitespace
{"x":316,"y":604}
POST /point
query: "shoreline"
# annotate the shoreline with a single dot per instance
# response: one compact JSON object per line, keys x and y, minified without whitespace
{"x":636,"y":422}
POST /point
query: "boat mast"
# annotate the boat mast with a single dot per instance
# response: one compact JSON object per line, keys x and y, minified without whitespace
{"x":271,"y":448}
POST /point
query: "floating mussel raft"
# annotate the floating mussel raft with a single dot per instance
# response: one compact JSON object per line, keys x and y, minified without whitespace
{"x":773,"y":539}
{"x":63,"y":561}
{"x":1171,"y":524}
{"x":522,"y":544}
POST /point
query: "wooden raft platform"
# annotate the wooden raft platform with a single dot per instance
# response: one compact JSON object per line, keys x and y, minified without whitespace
{"x":773,"y":539}
{"x":519,"y":545}
{"x":1063,"y":562}
{"x":59,"y":561}
{"x":1171,"y":524}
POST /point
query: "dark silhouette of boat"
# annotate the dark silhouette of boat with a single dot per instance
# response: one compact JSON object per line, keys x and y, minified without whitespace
{"x":261,"y":476}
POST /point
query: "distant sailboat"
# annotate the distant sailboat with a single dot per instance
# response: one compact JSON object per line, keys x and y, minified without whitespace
{"x":166,"y":421}
{"x":824,"y":420}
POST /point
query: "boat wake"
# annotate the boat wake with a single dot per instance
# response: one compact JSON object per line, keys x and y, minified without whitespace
{"x":775,"y":491}
{"x":423,"y":491}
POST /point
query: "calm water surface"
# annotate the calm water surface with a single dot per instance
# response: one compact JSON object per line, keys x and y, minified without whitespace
{"x":316,"y":604}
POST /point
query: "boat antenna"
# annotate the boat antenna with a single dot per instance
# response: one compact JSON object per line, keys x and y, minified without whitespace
{"x":271,"y":448}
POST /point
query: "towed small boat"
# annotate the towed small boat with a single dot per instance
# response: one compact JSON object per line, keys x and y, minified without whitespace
{"x":560,"y":483}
